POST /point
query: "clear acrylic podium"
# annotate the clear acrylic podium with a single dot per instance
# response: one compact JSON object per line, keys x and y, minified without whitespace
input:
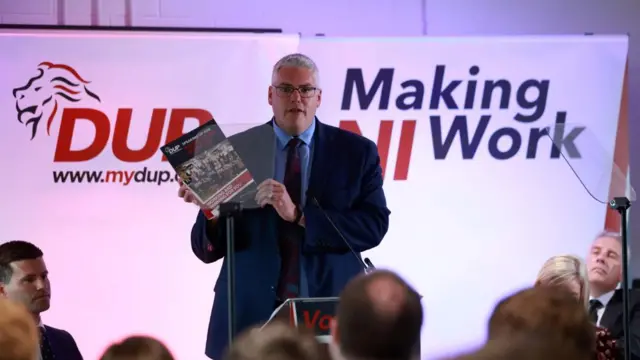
{"x":604,"y":179}
{"x":222,"y":164}
{"x":313,"y":314}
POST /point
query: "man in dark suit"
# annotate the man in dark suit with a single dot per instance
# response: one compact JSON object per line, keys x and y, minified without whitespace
{"x":24,"y":278}
{"x":604,"y":265}
{"x":307,"y":172}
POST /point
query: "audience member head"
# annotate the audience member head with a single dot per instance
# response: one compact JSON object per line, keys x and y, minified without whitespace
{"x":522,"y":347}
{"x":24,"y":277}
{"x":379,"y":316}
{"x":295,"y":93}
{"x":548,"y":313}
{"x":567,"y":271}
{"x":18,"y":332}
{"x":137,"y":348}
{"x":604,"y":263}
{"x":276,"y":341}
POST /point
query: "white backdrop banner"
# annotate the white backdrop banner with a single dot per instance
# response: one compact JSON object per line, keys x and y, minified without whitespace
{"x":478,"y":195}
{"x":479,"y":198}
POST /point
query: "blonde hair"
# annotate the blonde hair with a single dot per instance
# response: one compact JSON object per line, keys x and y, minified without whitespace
{"x":563,"y":270}
{"x":18,"y":332}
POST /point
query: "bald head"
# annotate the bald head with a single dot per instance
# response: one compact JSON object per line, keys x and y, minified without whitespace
{"x":379,"y":316}
{"x":387,"y":295}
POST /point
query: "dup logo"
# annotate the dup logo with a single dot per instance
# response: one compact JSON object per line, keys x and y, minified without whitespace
{"x":39,"y":98}
{"x":58,"y":91}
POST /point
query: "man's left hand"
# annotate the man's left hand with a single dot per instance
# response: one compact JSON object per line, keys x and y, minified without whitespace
{"x":271,"y":192}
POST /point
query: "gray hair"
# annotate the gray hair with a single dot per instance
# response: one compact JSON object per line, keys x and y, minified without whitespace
{"x":616,"y":236}
{"x":296,"y":60}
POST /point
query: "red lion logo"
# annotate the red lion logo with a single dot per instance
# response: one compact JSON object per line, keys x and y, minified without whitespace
{"x":39,"y":97}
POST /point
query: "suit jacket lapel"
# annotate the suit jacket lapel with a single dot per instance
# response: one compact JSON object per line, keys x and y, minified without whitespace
{"x":52,"y":339}
{"x":319,"y":167}
{"x":612,"y":311}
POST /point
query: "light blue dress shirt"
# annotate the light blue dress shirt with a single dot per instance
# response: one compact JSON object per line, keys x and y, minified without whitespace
{"x":306,"y":154}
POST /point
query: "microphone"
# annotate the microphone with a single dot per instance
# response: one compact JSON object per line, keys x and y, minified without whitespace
{"x":367,"y":265}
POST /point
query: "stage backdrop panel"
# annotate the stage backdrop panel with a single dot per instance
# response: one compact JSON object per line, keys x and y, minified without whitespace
{"x":473,"y":217}
{"x":469,"y":223}
{"x":120,"y":255}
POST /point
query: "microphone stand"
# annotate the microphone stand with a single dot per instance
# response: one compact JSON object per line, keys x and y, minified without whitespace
{"x":229,"y":211}
{"x":367,"y":265}
{"x":622,"y":205}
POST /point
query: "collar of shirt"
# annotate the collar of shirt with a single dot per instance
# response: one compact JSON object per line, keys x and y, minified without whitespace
{"x":606,"y":297}
{"x":283,"y":138}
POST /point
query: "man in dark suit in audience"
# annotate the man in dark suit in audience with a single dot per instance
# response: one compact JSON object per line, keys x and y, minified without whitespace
{"x":379,"y":317}
{"x":604,"y":264}
{"x":308,"y":172}
{"x":24,"y":278}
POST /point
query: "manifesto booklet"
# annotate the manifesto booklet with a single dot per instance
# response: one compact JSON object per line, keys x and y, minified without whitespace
{"x":207,"y":164}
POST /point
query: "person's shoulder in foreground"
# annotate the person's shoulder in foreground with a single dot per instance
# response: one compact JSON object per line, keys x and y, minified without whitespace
{"x":18,"y":332}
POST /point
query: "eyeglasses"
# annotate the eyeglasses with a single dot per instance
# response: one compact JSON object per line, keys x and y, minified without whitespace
{"x":287,"y":90}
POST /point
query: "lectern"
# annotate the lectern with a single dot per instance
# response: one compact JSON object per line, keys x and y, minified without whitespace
{"x":314,"y":314}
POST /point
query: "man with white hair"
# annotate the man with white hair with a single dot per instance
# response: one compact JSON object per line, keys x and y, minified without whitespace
{"x":604,"y":266}
{"x":312,"y":176}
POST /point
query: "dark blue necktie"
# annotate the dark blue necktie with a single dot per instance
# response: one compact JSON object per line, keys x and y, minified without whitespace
{"x":594,"y":306}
